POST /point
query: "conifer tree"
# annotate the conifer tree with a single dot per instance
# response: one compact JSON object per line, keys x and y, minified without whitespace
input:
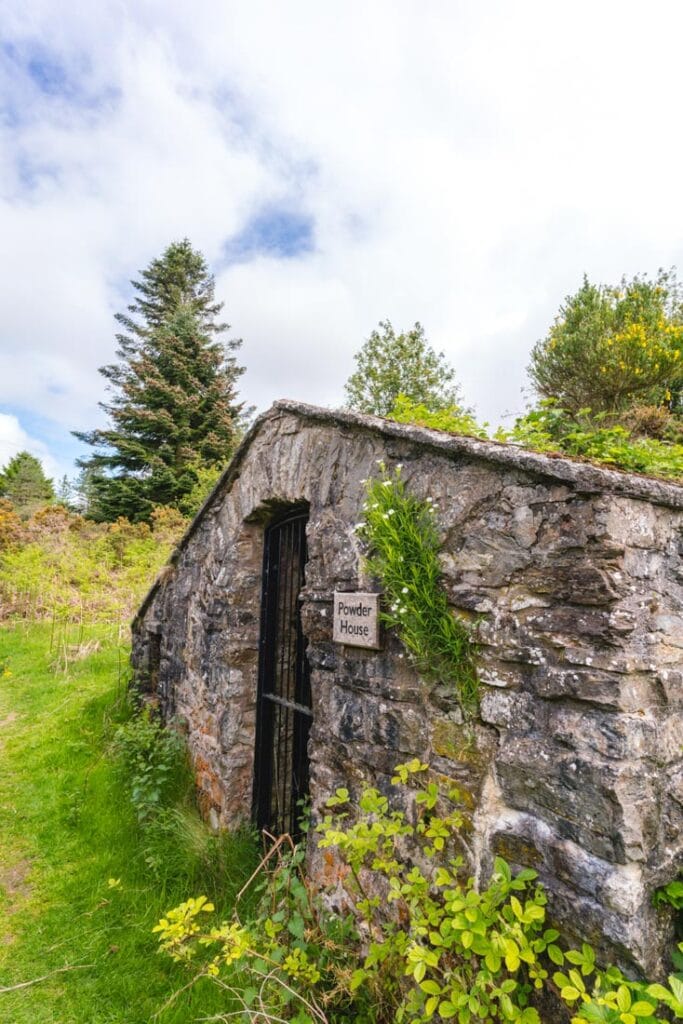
{"x":174,"y":409}
{"x":24,"y":483}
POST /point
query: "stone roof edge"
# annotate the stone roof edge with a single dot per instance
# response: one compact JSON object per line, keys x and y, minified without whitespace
{"x":581,"y":475}
{"x":223,"y":482}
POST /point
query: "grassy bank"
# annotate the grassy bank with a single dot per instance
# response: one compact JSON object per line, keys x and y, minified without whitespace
{"x":81,"y":883}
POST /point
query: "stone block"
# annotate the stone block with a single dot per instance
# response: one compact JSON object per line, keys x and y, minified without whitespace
{"x":606,"y":808}
{"x":514,"y":711}
{"x":572,"y":579}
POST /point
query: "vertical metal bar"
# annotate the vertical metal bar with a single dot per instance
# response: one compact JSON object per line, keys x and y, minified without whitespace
{"x":289,"y":615}
{"x":282,"y":677}
{"x":264,"y":720}
{"x":278,"y":643}
{"x":297,"y":792}
{"x":275,"y":798}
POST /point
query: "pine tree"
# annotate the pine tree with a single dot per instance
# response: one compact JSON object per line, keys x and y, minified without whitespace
{"x":84,"y":492}
{"x":390,"y":364}
{"x":24,"y":483}
{"x":65,"y":493}
{"x":174,"y":409}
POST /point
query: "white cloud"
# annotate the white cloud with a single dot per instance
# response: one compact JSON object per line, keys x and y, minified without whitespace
{"x":462,"y":165}
{"x":14,"y":439}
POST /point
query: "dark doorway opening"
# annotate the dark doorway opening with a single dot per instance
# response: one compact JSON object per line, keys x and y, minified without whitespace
{"x":284,"y":690}
{"x":154,"y":661}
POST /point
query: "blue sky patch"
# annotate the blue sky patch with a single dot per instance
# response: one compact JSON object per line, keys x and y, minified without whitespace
{"x":47,"y":72}
{"x":278,"y":232}
{"x":62,"y":445}
{"x":53,"y":77}
{"x":49,"y":75}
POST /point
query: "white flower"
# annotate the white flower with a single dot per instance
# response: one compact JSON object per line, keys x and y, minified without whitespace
{"x":402,"y":611}
{"x":405,"y":590}
{"x":364,"y":481}
{"x":391,"y":511}
{"x":384,"y":515}
{"x":359,"y":526}
{"x":386,"y":483}
{"x":399,"y":466}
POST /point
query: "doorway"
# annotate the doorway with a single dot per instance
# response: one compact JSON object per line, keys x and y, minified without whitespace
{"x":284,"y":713}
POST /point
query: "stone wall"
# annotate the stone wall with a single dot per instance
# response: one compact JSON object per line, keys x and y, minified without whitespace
{"x":573,"y":577}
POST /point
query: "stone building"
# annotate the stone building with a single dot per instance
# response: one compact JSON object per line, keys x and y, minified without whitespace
{"x":573,"y":576}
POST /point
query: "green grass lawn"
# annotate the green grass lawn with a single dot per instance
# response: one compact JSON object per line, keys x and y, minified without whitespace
{"x":76,"y":887}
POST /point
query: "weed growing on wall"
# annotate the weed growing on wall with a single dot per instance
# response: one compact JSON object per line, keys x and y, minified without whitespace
{"x":670,"y":895}
{"x":453,"y":419}
{"x":403,"y":542}
{"x":420,"y":943}
{"x":153,"y":759}
{"x":549,"y":428}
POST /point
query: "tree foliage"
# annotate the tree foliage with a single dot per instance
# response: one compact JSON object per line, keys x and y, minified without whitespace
{"x":24,"y":483}
{"x":60,"y":566}
{"x":174,"y":408}
{"x":390,"y":364}
{"x":612,"y":348}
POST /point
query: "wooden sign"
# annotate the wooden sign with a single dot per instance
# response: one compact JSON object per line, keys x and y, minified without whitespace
{"x":356,"y":619}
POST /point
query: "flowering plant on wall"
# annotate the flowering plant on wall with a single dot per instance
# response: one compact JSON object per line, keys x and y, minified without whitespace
{"x":403,"y":543}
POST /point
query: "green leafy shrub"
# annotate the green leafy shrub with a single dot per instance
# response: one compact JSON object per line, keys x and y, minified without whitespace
{"x":420,"y":942}
{"x":291,"y":961}
{"x":452,"y":418}
{"x":207,"y":478}
{"x":613,"y":348}
{"x":177,"y":846}
{"x":457,"y":951}
{"x":550,"y":428}
{"x":670,"y":895}
{"x":403,"y":542}
{"x":643,"y":440}
{"x":68,"y":569}
{"x":153,"y":760}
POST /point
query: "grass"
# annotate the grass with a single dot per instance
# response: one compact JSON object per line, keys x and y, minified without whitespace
{"x":76,"y":887}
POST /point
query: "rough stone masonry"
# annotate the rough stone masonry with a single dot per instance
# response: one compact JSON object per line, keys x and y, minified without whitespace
{"x":573,"y":577}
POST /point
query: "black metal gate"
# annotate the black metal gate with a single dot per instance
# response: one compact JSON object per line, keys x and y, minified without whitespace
{"x":284,"y":691}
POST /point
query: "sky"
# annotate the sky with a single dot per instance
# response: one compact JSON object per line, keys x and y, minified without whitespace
{"x":458,"y":163}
